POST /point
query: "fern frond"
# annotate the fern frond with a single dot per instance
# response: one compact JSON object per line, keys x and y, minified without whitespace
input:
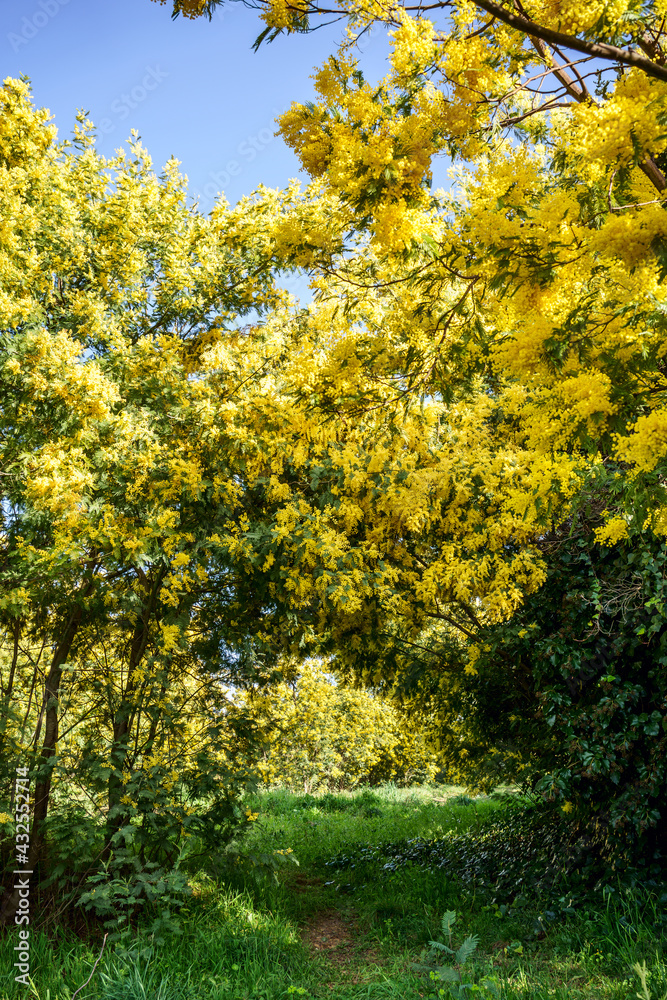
{"x":439,"y":946}
{"x":467,"y":948}
{"x":448,"y":975}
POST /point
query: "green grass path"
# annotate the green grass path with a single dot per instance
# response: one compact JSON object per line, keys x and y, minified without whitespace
{"x":377,"y":871}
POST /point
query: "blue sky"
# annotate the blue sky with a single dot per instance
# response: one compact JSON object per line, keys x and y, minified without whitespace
{"x":192,"y":89}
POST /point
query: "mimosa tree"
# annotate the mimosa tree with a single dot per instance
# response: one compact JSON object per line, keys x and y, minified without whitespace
{"x":524,"y":308}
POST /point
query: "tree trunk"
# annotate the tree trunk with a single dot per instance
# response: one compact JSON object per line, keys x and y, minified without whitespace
{"x":46,"y":759}
{"x":123,"y":722}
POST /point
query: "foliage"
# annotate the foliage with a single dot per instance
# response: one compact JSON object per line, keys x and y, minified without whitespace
{"x":322,"y":734}
{"x":314,"y":825}
{"x":385,"y":476}
{"x":431,"y":959}
{"x":497,"y":351}
{"x":506,"y":854}
{"x":237,"y":944}
{"x":642,"y":974}
{"x":128,"y":378}
{"x":115,"y":897}
{"x":570,"y":695}
{"x":191,"y":8}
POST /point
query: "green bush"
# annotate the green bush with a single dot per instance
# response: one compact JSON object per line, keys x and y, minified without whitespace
{"x":570,"y":697}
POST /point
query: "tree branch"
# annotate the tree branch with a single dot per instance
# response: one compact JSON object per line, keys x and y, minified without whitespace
{"x":599,"y":50}
{"x":579,"y":93}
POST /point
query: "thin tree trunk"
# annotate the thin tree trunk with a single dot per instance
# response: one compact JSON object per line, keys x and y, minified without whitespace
{"x":50,"y":708}
{"x":6,"y":701}
{"x":123,"y":721}
{"x":47,"y":757}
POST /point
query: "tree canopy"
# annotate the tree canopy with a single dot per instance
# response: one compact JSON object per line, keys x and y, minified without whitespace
{"x":503,"y":340}
{"x":320,"y":734}
{"x":202,"y":479}
{"x":131,"y":376}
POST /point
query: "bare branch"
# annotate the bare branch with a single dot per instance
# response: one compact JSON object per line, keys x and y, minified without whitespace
{"x":94,"y":967}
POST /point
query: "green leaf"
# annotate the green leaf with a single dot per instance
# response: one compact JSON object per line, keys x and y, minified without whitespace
{"x":467,"y":948}
{"x":448,"y":920}
{"x":448,"y":975}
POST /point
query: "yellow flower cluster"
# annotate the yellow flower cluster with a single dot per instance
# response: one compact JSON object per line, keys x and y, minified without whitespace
{"x":188,"y":8}
{"x":613,"y":531}
{"x":572,"y":17}
{"x":414,"y":44}
{"x":325,"y":734}
{"x":647,"y":443}
{"x":603,"y":136}
{"x":283,"y":13}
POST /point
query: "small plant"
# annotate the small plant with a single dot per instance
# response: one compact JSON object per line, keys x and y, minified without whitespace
{"x":431,"y":961}
{"x":124,"y":887}
{"x":132,"y":979}
{"x":643,"y":973}
{"x":263,"y":863}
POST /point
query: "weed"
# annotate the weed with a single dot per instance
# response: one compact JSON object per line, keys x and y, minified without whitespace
{"x":430,"y":962}
{"x":541,"y":927}
{"x":643,"y":974}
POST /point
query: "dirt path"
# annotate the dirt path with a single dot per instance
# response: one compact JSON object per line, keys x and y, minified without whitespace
{"x":329,"y":934}
{"x":335,"y":937}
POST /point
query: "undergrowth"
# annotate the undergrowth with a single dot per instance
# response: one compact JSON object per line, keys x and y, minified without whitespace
{"x":546,"y":918}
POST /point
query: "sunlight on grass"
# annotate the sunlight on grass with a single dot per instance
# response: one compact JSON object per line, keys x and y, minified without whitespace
{"x":387,"y":864}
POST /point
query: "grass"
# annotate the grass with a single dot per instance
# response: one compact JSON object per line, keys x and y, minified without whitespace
{"x":377,"y":872}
